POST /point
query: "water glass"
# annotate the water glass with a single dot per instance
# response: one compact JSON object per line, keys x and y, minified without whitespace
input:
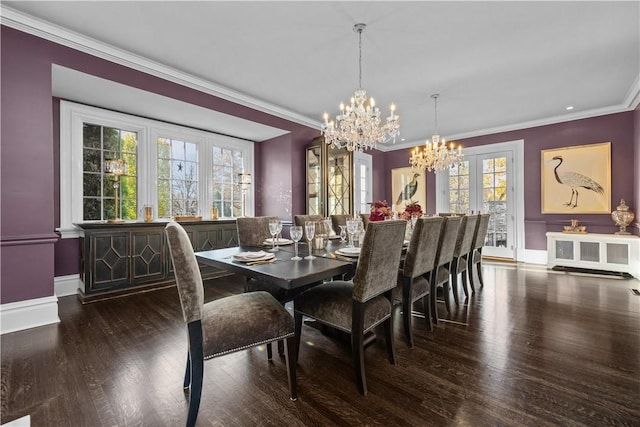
{"x":343,"y":233}
{"x":273,"y":230}
{"x":352,"y":228}
{"x":310,"y":230}
{"x":296,"y":235}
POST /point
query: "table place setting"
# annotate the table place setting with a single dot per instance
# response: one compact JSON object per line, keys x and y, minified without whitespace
{"x":251,"y":258}
{"x":279,"y":241}
{"x":349,"y":252}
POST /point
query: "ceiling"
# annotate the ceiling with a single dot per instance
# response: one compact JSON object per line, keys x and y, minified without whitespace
{"x":496,"y":65}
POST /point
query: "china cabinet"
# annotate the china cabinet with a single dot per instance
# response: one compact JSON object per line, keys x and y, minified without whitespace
{"x":329,"y":179}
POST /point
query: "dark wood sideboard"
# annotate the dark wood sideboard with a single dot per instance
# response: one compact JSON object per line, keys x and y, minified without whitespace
{"x":118,"y":259}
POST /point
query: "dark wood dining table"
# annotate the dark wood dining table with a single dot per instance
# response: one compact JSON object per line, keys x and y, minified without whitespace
{"x":284,"y":272}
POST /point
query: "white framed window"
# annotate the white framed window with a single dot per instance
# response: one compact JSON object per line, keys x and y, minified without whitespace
{"x":176,"y":169}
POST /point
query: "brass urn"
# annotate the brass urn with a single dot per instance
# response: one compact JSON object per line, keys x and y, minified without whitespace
{"x":622,"y":216}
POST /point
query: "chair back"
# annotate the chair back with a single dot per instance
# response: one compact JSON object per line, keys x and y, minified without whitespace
{"x":423,"y":248}
{"x":187,"y":272}
{"x":338,"y":220}
{"x":365,"y":219}
{"x":481,"y":232}
{"x":253,"y":231}
{"x":377,"y":268}
{"x":448,"y":239}
{"x":301,"y":219}
{"x":466,"y":233}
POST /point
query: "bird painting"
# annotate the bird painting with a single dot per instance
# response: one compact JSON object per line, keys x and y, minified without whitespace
{"x":409,"y":190}
{"x":575,"y":181}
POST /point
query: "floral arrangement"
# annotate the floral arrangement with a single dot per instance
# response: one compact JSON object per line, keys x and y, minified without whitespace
{"x":380,"y":211}
{"x":411,"y":209}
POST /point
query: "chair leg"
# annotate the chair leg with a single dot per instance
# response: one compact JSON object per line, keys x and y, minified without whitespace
{"x":269,"y":352}
{"x":426,"y":304}
{"x":388,"y":336}
{"x":470,"y":273}
{"x":357,"y":346}
{"x":187,"y":375}
{"x":297,"y":318}
{"x":465,"y":283}
{"x":197,"y":370}
{"x":291,"y":359}
{"x":406,"y":309}
{"x":480,"y":279}
{"x":432,"y":297}
{"x":446,"y":293}
{"x":281,"y":348}
{"x":454,"y":283}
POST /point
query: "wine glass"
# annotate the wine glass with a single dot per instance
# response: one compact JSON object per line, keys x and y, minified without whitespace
{"x":278,"y":231}
{"x":343,"y":233}
{"x":273,"y":229}
{"x":310,"y":229}
{"x":296,"y":235}
{"x":352,"y":227}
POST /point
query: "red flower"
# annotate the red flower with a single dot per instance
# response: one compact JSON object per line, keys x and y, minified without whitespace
{"x":380,"y":211}
{"x":411,"y":209}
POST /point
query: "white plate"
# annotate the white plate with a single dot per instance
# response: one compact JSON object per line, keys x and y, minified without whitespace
{"x":279,"y":241}
{"x":354,"y":252}
{"x":334,"y":237}
{"x":253,"y":256}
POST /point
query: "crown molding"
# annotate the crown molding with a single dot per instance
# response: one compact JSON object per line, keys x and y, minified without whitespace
{"x":57,"y":34}
{"x":628,"y":105}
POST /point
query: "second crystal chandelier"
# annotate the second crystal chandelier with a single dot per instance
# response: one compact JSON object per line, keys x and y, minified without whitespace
{"x":435,"y":156}
{"x":358,"y":126}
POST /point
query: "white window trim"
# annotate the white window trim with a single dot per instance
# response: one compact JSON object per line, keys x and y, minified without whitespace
{"x":72,"y":117}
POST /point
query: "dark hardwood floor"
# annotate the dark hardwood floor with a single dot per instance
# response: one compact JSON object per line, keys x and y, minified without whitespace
{"x":532,"y":348}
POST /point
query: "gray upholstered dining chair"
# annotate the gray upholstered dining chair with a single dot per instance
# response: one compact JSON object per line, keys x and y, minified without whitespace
{"x":338,"y":220}
{"x":475,"y":256}
{"x":440,"y":277}
{"x":464,"y":242}
{"x":301,"y":219}
{"x":413,"y":277}
{"x":365,"y":219}
{"x":359,"y":305}
{"x":225,"y":325}
{"x":253,"y":231}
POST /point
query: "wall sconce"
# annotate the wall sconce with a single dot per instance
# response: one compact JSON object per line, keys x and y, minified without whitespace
{"x":115,"y":168}
{"x":244,"y":180}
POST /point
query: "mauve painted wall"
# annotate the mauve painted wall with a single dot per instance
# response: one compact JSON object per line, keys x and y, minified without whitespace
{"x":30,"y":139}
{"x":616,"y":128}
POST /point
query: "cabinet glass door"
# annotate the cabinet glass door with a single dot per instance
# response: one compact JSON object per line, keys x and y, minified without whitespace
{"x":339,"y":177}
{"x":314,"y":181}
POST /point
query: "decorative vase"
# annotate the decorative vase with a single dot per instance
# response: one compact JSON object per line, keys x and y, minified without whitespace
{"x":622,"y":216}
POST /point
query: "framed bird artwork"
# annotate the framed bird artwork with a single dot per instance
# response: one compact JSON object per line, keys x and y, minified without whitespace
{"x":576,"y":179}
{"x":406,"y":185}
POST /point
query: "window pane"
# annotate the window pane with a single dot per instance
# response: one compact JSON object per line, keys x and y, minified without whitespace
{"x":99,"y":144}
{"x":177,"y":178}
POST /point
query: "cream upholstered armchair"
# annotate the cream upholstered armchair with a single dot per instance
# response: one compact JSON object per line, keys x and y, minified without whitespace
{"x":225,"y":325}
{"x":414,"y":276}
{"x":357,"y":306}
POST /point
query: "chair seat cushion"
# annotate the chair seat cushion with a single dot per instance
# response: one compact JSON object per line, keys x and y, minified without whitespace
{"x":332,"y":303}
{"x":242,"y":321}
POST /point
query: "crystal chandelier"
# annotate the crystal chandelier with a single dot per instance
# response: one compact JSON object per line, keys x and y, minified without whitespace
{"x":435,"y":156}
{"x":358,"y":126}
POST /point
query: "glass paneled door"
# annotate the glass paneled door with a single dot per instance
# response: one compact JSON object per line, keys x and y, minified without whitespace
{"x":494,"y":195}
{"x":484,"y":183}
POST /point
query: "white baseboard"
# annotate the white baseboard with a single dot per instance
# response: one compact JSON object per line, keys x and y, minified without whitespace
{"x":67,"y":285}
{"x":533,"y":256}
{"x":16,"y":316}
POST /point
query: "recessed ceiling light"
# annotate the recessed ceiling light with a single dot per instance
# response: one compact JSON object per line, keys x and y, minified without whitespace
{"x":401,"y":139}
{"x":570,"y":107}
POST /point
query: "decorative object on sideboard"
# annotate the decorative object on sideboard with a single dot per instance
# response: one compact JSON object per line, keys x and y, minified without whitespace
{"x":435,"y":156}
{"x":622,"y":216}
{"x":575,"y":227}
{"x":358,"y":126}
{"x":115,"y":168}
{"x":147,"y":213}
